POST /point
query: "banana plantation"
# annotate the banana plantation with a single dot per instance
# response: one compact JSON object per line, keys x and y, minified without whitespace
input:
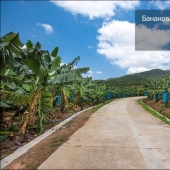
{"x":159,"y":90}
{"x":35,"y":85}
{"x":37,"y":88}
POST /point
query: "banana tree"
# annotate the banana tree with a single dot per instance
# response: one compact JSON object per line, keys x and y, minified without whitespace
{"x":78,"y":93}
{"x":42,"y":70}
{"x":140,"y":91}
{"x":65,"y":94}
{"x":49,"y":73}
{"x":9,"y":45}
{"x":81,"y":94}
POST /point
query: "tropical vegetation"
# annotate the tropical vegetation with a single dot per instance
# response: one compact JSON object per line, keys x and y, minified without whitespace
{"x":35,"y":84}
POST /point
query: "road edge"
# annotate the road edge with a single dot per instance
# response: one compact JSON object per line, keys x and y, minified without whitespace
{"x":20,"y":151}
{"x":154,"y":112}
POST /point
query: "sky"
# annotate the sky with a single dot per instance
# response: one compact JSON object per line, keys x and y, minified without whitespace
{"x":102,"y":33}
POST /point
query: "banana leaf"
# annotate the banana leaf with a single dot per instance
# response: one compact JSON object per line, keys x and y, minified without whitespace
{"x":2,"y":104}
{"x":2,"y":138}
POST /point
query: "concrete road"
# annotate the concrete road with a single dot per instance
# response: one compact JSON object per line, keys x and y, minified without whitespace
{"x":120,"y":135}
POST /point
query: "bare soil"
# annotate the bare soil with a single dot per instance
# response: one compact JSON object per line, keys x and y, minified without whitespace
{"x":158,"y":106}
{"x":13,"y":141}
{"x":41,"y":151}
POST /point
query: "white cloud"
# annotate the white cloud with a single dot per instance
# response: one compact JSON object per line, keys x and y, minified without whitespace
{"x":48,"y":28}
{"x":24,"y":46}
{"x":90,"y":46}
{"x":117,"y":43}
{"x":90,"y":72}
{"x":99,"y":72}
{"x":61,"y":64}
{"x":93,"y":9}
{"x":86,"y":75}
{"x":161,"y":4}
{"x":127,"y":4}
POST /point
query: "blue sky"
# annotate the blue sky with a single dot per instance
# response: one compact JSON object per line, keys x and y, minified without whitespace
{"x":102,"y":33}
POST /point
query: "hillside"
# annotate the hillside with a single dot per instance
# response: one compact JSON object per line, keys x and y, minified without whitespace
{"x":137,"y":78}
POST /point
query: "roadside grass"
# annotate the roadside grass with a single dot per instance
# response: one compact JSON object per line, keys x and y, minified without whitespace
{"x":102,"y":104}
{"x":68,"y":124}
{"x":32,"y":167}
{"x":146,"y":107}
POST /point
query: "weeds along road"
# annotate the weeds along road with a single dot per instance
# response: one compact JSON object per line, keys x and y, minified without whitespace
{"x":119,"y":135}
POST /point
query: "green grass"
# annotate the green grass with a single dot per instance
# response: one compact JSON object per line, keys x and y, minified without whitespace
{"x":32,"y":167}
{"x":68,"y":124}
{"x":102,"y":104}
{"x":57,"y":144}
{"x":22,"y":162}
{"x":153,"y":112}
{"x":87,"y":118}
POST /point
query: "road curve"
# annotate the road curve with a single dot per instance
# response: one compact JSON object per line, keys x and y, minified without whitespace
{"x":120,"y":135}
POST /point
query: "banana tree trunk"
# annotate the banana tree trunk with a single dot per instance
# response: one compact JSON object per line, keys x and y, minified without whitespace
{"x":1,"y":114}
{"x":53,"y":98}
{"x":65,"y":99}
{"x":29,"y":113}
{"x":76,"y":99}
{"x":40,"y":116}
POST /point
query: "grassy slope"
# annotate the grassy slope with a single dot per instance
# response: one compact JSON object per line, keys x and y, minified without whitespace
{"x":154,"y":113}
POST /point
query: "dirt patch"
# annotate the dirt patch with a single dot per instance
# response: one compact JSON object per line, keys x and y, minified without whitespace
{"x":41,"y":151}
{"x":10,"y":141}
{"x":14,"y":141}
{"x":158,"y":106}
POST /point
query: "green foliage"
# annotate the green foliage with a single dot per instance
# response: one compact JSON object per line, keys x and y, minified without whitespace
{"x":15,"y":97}
{"x":31,"y":70}
{"x":32,"y":77}
{"x":70,"y":105}
{"x":10,"y":43}
{"x":54,"y":52}
{"x":156,"y":87}
{"x":19,"y":112}
{"x":13,"y":128}
{"x":3,"y":137}
{"x":135,"y":79}
{"x":47,"y":100}
{"x":5,"y":133}
{"x":5,"y":105}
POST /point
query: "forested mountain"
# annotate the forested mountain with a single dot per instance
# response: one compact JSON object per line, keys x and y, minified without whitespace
{"x":137,"y":78}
